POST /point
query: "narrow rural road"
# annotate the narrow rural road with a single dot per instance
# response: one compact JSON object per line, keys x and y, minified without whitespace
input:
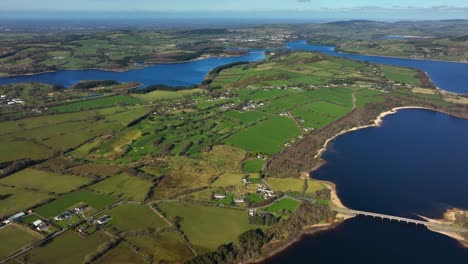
{"x":354,"y":100}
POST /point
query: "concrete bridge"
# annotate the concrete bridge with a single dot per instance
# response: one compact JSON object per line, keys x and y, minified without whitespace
{"x":441,"y":227}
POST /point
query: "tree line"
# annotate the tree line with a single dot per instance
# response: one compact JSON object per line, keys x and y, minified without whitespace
{"x":254,"y":243}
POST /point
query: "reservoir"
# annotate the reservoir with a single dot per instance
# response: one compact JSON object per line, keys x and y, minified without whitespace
{"x":415,"y":163}
{"x":173,"y":74}
{"x":449,"y":76}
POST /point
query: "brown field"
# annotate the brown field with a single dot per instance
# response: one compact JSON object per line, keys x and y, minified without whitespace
{"x":120,"y":255}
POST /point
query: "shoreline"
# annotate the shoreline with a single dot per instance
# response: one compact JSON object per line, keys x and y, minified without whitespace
{"x":335,"y":199}
{"x":142,"y":66}
{"x":308,"y":230}
{"x":463,"y":241}
{"x":377,"y":122}
{"x":338,"y":50}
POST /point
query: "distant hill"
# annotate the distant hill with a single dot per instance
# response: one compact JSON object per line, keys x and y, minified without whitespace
{"x":460,"y":38}
{"x":208,"y":31}
{"x":356,"y":23}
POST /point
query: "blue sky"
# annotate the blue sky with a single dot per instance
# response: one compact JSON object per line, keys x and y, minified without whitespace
{"x":388,"y":9}
{"x":234,"y":5}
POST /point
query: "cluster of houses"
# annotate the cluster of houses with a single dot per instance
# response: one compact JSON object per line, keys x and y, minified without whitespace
{"x":272,"y":37}
{"x":226,"y":107}
{"x":251,"y":106}
{"x":265,"y":192}
{"x":39,"y":225}
{"x":237,"y":200}
{"x":69,"y":213}
{"x":44,"y":225}
{"x":6,"y":100}
{"x":38,"y":110}
{"x":225,"y":95}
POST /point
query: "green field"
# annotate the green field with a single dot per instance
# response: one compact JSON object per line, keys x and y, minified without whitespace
{"x":40,"y":137}
{"x":246,"y":117}
{"x":366,"y":96}
{"x":253,"y":165}
{"x":29,"y":219}
{"x":313,"y":186}
{"x":15,"y":150}
{"x":255,"y":198}
{"x":103,"y":102}
{"x":401,"y":75}
{"x":95,"y":201}
{"x":15,"y":237}
{"x":296,"y":69}
{"x":264,"y":94}
{"x":117,"y":146}
{"x":18,"y":199}
{"x":266,"y":137}
{"x":44,"y":181}
{"x":229,"y":179}
{"x":67,"y":248}
{"x":208,"y":227}
{"x":124,"y":186}
{"x":326,"y":108}
{"x":286,"y":185}
{"x":312,"y":119}
{"x":161,"y":95}
{"x":133,"y":216}
{"x":283,"y":205}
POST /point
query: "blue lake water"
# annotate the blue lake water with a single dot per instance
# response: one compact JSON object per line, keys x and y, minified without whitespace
{"x":449,"y":76}
{"x":367,"y":241}
{"x":415,"y":163}
{"x":174,"y":74}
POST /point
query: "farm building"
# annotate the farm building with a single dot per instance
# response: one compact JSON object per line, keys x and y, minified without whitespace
{"x":80,"y":209}
{"x":104,"y":219}
{"x":63,"y":216}
{"x":16,"y":216}
{"x":219,"y":196}
{"x":239,"y":200}
{"x":40,"y":225}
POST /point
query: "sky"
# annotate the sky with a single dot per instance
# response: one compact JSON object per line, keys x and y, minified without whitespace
{"x":417,"y":9}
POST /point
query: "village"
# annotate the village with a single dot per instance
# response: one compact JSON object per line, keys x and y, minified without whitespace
{"x":240,"y":198}
{"x":74,"y":218}
{"x":5,"y":100}
{"x":275,"y":38}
